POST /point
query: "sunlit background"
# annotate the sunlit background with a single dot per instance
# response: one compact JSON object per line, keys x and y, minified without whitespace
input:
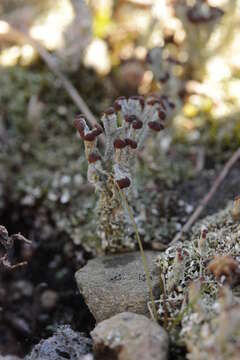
{"x":114,"y":37}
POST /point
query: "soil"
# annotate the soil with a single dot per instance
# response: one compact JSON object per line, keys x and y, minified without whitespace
{"x":25,"y":318}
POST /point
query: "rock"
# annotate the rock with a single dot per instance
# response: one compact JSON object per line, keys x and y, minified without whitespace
{"x":64,"y":344}
{"x":116,"y":283}
{"x":129,"y":336}
{"x":49,"y":300}
{"x":9,"y":357}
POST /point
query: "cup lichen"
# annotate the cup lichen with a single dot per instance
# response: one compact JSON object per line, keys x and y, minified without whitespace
{"x":125,"y":126}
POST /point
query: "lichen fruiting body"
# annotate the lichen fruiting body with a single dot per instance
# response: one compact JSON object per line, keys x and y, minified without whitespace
{"x":125,"y":128}
{"x":199,"y":21}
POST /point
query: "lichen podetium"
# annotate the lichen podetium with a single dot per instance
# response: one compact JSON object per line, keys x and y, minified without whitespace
{"x":125,"y":126}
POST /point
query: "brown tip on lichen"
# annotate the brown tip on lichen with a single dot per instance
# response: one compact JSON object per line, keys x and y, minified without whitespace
{"x":93,"y":157}
{"x":130,"y":118}
{"x":90,"y":136}
{"x":179,"y":255}
{"x":204,"y":233}
{"x":156,"y":126}
{"x":117,"y":103}
{"x":171,"y":104}
{"x":140,"y":99}
{"x":97,"y":130}
{"x":124,"y":183}
{"x":197,"y":17}
{"x":162,"y":115}
{"x":137,"y":124}
{"x":109,"y":111}
{"x":79,"y":124}
{"x":152,"y":102}
{"x":117,"y":106}
{"x":131,"y":143}
{"x":161,"y":101}
{"x":119,"y":144}
{"x":164,"y":78}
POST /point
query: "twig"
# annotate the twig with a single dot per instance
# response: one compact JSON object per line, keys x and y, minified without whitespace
{"x":208,"y":196}
{"x":51,"y":62}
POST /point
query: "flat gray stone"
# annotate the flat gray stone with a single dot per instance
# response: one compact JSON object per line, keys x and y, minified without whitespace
{"x":129,"y":336}
{"x":116,"y":283}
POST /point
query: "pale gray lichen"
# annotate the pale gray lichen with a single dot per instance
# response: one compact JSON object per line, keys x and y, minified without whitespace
{"x":199,"y":20}
{"x":200,"y":289}
{"x":126,"y":126}
{"x":81,"y":29}
{"x":211,"y":329}
{"x":163,"y":72}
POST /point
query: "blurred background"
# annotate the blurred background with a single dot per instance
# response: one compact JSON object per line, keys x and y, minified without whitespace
{"x":187,"y":50}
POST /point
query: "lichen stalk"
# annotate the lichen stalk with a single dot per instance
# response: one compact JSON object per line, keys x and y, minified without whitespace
{"x":126,"y":126}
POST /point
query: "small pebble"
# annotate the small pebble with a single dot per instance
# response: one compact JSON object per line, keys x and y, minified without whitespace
{"x":49,"y":299}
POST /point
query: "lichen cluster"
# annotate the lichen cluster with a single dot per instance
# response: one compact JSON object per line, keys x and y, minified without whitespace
{"x":125,"y":126}
{"x":200,"y":289}
{"x":212,"y":330}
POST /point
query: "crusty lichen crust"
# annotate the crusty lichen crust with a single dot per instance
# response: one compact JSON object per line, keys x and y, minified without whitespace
{"x":200,"y":288}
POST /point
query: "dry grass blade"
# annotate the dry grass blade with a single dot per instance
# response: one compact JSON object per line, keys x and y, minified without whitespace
{"x":144,"y":260}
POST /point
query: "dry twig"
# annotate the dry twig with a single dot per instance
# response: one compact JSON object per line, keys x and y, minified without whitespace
{"x":235,"y":157}
{"x":22,"y":37}
{"x":7,"y":242}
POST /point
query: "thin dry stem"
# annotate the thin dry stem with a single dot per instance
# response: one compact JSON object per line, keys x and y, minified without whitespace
{"x":227,"y":167}
{"x":144,"y":260}
{"x":22,"y":37}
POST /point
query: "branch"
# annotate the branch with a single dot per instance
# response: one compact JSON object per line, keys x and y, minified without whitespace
{"x":22,"y":37}
{"x":227,"y":167}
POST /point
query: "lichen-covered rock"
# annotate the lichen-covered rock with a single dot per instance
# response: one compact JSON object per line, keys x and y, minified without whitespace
{"x":201,"y":280}
{"x":116,"y":283}
{"x":216,"y":235}
{"x":129,"y":336}
{"x":64,"y":344}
